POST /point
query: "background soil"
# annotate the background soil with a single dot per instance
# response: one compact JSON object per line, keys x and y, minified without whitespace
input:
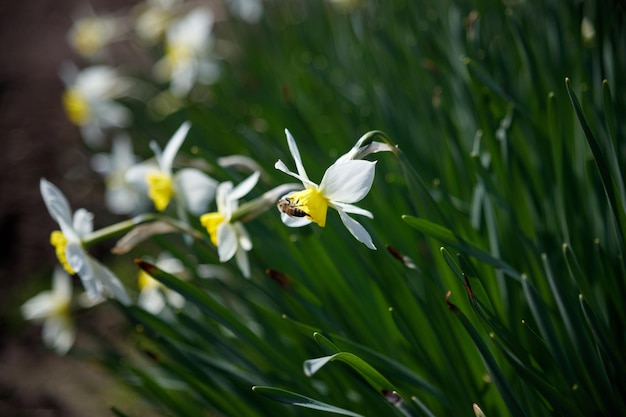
{"x":36,"y":140}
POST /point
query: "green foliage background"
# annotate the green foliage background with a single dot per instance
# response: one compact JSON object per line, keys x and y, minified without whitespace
{"x":507,"y":195}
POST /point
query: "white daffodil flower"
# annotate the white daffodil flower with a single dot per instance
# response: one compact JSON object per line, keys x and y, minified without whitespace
{"x":89,"y":35}
{"x":345,"y":182}
{"x":89,"y":101}
{"x":53,"y":309}
{"x":188,"y":58}
{"x":68,"y":243}
{"x":192,"y":188}
{"x":121,"y":197}
{"x":230,"y":237}
{"x":154,"y":296}
{"x":153,"y":18}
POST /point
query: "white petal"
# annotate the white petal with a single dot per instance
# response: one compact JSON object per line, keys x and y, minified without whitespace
{"x":356,"y":229}
{"x":151,"y":300}
{"x":58,"y":334}
{"x":172,"y":147}
{"x":280,"y":165}
{"x":175,"y":299}
{"x":39,"y":307}
{"x":110,"y":281}
{"x":83,"y":222}
{"x":294,"y":221}
{"x":244,"y":187}
{"x":227,"y":241}
{"x":245,"y":242}
{"x":242,"y":262}
{"x":295,"y":153}
{"x":350,"y":208}
{"x":57,"y":206}
{"x":221,"y":199}
{"x":348,"y":181}
{"x":136,"y":175}
{"x":78,"y":260}
{"x":61,"y":284}
{"x":196,"y":189}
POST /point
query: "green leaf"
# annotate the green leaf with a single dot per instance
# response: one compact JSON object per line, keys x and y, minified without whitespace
{"x":291,"y":398}
{"x":449,"y":238}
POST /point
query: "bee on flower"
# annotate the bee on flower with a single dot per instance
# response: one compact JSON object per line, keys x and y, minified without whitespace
{"x":70,"y":245}
{"x":192,"y":188}
{"x":188,"y":53}
{"x":345,"y":182}
{"x":90,"y":102}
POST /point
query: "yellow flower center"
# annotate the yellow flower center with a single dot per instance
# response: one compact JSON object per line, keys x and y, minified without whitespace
{"x":59,"y":241}
{"x":178,"y":54}
{"x":211,"y":221}
{"x":146,"y":281}
{"x":313,"y":203}
{"x":160,"y":189}
{"x":76,"y":107}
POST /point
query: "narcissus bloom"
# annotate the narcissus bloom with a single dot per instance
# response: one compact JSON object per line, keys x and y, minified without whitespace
{"x":121,"y":197}
{"x":89,"y":35}
{"x":191,"y":187}
{"x":89,"y":101}
{"x":229,"y":235}
{"x":153,"y":295}
{"x":53,"y":309}
{"x":69,"y":245}
{"x":188,"y":48}
{"x":345,"y":182}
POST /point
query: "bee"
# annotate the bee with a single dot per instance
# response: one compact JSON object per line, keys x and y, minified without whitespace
{"x":288,"y":206}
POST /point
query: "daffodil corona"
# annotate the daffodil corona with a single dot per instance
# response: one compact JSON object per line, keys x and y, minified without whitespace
{"x":192,"y":188}
{"x":345,"y":182}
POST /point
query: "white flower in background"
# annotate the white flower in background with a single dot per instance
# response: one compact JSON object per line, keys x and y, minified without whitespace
{"x":153,"y":18}
{"x":91,"y":34}
{"x":188,"y":57}
{"x":53,"y":308}
{"x":346,"y":5}
{"x":249,"y":11}
{"x":68,"y":243}
{"x":89,"y":101}
{"x":345,"y":182}
{"x":229,"y":235}
{"x":121,"y":196}
{"x":192,"y":188}
{"x":154,"y":296}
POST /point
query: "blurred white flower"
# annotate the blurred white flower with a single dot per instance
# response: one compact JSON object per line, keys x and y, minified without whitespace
{"x":153,"y":18}
{"x":188,"y":53}
{"x":53,"y":308}
{"x":121,"y":196}
{"x":345,"y":182}
{"x":89,"y":35}
{"x":68,"y":243}
{"x":89,"y":101}
{"x":250,"y":11}
{"x":192,"y":188}
{"x":230,"y":237}
{"x":154,"y":296}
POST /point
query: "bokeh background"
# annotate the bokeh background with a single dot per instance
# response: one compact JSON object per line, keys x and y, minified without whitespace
{"x":37,"y":141}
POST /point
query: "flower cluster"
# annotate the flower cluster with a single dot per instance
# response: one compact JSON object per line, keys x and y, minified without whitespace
{"x":171,"y":192}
